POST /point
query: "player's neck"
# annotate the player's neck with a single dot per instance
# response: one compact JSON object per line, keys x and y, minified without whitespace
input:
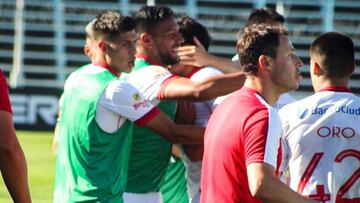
{"x":266,"y":90}
{"x":322,"y":83}
{"x":150,"y":56}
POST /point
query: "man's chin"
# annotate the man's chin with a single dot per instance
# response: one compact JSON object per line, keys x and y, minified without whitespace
{"x":129,"y":67}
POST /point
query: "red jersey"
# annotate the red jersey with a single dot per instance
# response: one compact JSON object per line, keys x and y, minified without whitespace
{"x":243,"y":129}
{"x":4,"y":94}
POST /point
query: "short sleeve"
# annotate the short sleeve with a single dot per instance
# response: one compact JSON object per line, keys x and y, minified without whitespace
{"x":149,"y":81}
{"x":125,"y":100}
{"x":263,"y":131}
{"x":4,"y":94}
{"x":205,"y":73}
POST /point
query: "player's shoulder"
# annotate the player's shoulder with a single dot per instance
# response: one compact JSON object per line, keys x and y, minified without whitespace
{"x":120,"y":86}
{"x":298,"y":109}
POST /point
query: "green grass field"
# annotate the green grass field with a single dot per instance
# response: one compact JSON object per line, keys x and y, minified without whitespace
{"x":41,"y":163}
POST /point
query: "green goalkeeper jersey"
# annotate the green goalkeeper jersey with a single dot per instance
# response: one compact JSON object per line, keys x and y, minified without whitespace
{"x":91,"y":164}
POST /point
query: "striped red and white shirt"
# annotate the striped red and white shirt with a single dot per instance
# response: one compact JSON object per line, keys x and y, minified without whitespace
{"x":244,"y":129}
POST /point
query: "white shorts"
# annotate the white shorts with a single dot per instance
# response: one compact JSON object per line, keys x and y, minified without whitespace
{"x":150,"y":197}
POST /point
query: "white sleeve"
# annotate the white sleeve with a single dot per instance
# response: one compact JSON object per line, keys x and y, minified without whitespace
{"x":201,"y":75}
{"x":148,"y":81}
{"x":124,"y":100}
{"x":205,"y":72}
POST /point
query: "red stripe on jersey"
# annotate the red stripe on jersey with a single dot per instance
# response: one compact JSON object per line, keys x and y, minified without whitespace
{"x":148,"y":116}
{"x":192,"y":72}
{"x":335,"y":89}
{"x":106,"y":66}
{"x":4,"y":94}
{"x":309,"y":171}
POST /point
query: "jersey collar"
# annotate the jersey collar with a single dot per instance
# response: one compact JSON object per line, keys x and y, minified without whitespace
{"x":335,"y":89}
{"x":253,"y":91}
{"x":109,"y":68}
{"x":147,"y":58}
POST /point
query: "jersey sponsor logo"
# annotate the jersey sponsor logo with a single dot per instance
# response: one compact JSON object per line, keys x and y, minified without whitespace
{"x":141,"y":104}
{"x":335,"y":132}
{"x":302,"y":113}
{"x":341,"y":109}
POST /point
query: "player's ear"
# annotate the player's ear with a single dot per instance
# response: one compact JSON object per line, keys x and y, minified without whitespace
{"x":317,"y":69}
{"x":102,"y":46}
{"x":264,"y":62}
{"x":145,"y":39}
{"x":87,"y":51}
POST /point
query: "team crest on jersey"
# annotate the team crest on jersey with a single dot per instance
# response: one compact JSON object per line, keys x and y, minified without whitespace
{"x":137,"y":97}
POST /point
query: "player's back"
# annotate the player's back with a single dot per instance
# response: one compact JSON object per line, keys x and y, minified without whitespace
{"x":322,"y":141}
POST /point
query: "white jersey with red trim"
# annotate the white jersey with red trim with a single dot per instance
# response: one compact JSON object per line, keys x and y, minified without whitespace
{"x":149,"y":81}
{"x":321,"y":145}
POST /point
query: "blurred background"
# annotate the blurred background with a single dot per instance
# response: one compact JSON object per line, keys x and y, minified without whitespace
{"x":41,"y":42}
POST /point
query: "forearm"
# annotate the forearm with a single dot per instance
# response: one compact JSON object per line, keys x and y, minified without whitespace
{"x":217,"y":86}
{"x":56,"y":138}
{"x":176,"y":133}
{"x":223,"y":64}
{"x":14,"y":171}
{"x":186,"y":134}
{"x":274,"y":191}
{"x":264,"y":185}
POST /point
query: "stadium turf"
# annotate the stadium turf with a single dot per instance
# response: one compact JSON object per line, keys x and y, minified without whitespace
{"x":37,"y":147}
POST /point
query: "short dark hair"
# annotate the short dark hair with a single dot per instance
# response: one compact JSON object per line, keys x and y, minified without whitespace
{"x":336,"y":53}
{"x":257,"y":40}
{"x":190,"y":28}
{"x":264,"y":15}
{"x":149,"y":16}
{"x":109,"y":24}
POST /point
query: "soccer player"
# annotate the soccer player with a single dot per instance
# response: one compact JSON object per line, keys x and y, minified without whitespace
{"x":12,"y":160}
{"x":268,"y":16}
{"x":242,"y":135}
{"x":96,"y":131}
{"x":159,"y":38}
{"x":89,"y":51}
{"x":321,"y":133}
{"x":192,"y":156}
